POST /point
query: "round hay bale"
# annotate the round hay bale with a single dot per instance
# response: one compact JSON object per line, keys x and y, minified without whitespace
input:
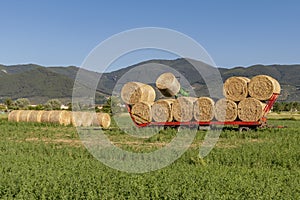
{"x":82,"y":118}
{"x":45,"y":116}
{"x":204,"y":109}
{"x":250,"y":109}
{"x":134,"y":92}
{"x":162,"y":110}
{"x":35,"y":116}
{"x":182,"y":109}
{"x":24,"y":115}
{"x":14,"y":115}
{"x":141,"y":112}
{"x":236,"y":88}
{"x":225,"y":110}
{"x":60,"y":117}
{"x":168,"y":84}
{"x":77,"y":119}
{"x":262,"y":87}
{"x":87,"y":118}
{"x":102,"y":119}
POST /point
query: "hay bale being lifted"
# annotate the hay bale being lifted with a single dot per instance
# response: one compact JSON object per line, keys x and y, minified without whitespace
{"x":24,"y":115}
{"x":102,"y":119}
{"x":225,"y":110}
{"x":250,"y":110}
{"x":168,"y":84}
{"x":204,"y":109}
{"x":162,"y":110}
{"x":262,"y":87}
{"x":236,"y":88}
{"x":141,"y":112}
{"x":134,"y":92}
{"x":60,"y":117}
{"x":35,"y":116}
{"x":14,"y":115}
{"x":182,"y":109}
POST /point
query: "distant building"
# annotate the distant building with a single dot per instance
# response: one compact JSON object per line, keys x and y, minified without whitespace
{"x":64,"y":107}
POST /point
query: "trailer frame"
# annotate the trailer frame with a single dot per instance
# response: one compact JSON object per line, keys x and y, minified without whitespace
{"x":262,"y":122}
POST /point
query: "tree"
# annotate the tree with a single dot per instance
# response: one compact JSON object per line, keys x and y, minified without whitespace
{"x":8,"y":102}
{"x":113,"y":105}
{"x":53,"y":104}
{"x":22,"y":103}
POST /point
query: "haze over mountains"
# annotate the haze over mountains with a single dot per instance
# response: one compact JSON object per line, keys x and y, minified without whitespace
{"x":40,"y":83}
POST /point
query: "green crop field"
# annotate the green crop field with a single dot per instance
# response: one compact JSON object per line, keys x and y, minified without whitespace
{"x":42,"y":161}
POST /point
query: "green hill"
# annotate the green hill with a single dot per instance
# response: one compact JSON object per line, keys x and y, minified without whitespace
{"x":40,"y":83}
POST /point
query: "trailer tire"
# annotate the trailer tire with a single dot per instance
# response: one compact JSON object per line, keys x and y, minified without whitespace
{"x":244,"y":128}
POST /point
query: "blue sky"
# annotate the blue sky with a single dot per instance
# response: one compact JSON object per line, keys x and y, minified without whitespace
{"x":234,"y":32}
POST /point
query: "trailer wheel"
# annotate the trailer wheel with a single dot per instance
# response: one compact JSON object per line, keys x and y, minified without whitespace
{"x":244,"y":128}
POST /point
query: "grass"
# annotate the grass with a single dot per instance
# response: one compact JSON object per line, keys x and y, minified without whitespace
{"x":284,"y":115}
{"x":42,"y":161}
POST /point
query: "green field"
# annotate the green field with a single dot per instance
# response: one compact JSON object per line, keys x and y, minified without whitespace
{"x":284,"y":115}
{"x":42,"y":161}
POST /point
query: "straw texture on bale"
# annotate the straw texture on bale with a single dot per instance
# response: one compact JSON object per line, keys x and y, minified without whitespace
{"x":168,"y":84}
{"x":204,"y":109}
{"x":82,"y":118}
{"x":262,"y":87}
{"x":225,"y":110}
{"x":35,"y":116}
{"x":45,"y":116}
{"x":182,"y":109}
{"x":24,"y":115}
{"x":60,"y":117}
{"x":134,"y":92}
{"x":250,"y":109}
{"x":141,"y":112}
{"x":13,"y":116}
{"x":236,"y":88}
{"x":102,"y":119}
{"x":162,"y":110}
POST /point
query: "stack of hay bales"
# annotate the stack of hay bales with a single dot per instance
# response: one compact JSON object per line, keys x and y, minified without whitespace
{"x":260,"y":89}
{"x":245,"y":100}
{"x":61,"y":117}
{"x":141,"y":97}
{"x":145,"y":109}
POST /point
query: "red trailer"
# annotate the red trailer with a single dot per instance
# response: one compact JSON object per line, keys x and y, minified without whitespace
{"x":240,"y":124}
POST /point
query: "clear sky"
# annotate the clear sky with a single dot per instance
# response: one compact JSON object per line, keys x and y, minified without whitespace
{"x":234,"y":32}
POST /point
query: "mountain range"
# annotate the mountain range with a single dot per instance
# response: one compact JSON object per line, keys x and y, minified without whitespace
{"x":40,"y":84}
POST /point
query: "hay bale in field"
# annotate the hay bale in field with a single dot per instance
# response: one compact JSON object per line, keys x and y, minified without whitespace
{"x":35,"y":116}
{"x":141,"y":112}
{"x":24,"y":115}
{"x":82,"y":118}
{"x":262,"y":87}
{"x":13,"y":116}
{"x":236,"y":88}
{"x":77,"y":118}
{"x":225,"y":110}
{"x":204,"y":109}
{"x":45,"y":116}
{"x":162,"y":110}
{"x":60,"y":117}
{"x":250,"y":109}
{"x":102,"y":119}
{"x":134,"y":92}
{"x":182,"y":109}
{"x":168,"y":84}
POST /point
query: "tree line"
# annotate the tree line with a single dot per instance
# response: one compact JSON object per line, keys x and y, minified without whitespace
{"x":286,"y":106}
{"x":24,"y":103}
